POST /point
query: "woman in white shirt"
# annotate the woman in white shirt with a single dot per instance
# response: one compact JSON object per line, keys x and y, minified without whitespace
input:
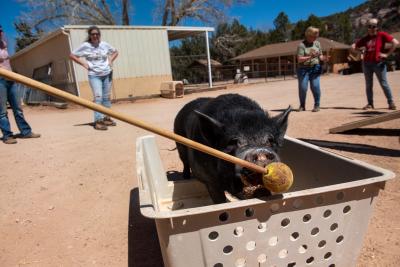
{"x":99,"y":57}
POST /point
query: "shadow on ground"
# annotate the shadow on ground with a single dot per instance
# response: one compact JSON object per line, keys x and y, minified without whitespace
{"x":85,"y":124}
{"x":373,"y":132}
{"x":143,"y":246}
{"x":174,"y":175}
{"x":355,"y":148}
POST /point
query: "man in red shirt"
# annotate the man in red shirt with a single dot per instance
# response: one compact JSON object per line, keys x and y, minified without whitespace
{"x":374,"y":61}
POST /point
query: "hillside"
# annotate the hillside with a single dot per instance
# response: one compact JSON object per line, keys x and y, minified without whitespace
{"x":387,"y":11}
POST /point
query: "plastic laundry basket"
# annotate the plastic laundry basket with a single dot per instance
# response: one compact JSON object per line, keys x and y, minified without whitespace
{"x":320,"y":222}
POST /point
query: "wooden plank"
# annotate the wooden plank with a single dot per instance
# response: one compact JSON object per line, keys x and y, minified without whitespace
{"x":356,"y":124}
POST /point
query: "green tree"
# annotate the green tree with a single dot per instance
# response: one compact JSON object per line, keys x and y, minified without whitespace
{"x":282,"y":29}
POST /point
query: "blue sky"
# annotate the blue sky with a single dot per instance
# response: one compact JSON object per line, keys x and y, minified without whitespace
{"x":258,"y":15}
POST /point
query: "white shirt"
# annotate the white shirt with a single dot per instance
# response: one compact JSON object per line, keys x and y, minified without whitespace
{"x":96,"y":57}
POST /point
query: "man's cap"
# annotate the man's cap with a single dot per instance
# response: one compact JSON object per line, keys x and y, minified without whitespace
{"x":373,"y":22}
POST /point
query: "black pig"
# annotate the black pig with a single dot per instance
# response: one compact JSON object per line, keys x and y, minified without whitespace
{"x":235,"y":125}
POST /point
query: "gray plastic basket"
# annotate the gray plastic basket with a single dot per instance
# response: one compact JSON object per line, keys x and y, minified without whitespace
{"x":320,"y":222}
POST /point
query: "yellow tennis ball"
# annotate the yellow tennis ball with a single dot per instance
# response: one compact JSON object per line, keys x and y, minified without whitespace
{"x":278,"y":177}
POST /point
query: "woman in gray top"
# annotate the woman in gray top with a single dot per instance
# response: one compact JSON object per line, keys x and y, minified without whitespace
{"x":309,"y":56}
{"x":99,"y":57}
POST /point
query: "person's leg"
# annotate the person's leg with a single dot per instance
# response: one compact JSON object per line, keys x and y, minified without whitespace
{"x":368,"y":69}
{"x":107,"y":82}
{"x":14,"y":100}
{"x":4,"y":122}
{"x":97,"y":89}
{"x":303,"y":77}
{"x":380,"y":71}
{"x":107,"y":85}
{"x":315,"y":86}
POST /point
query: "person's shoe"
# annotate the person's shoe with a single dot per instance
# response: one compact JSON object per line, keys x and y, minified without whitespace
{"x":392,"y":106}
{"x":368,"y":106}
{"x":30,"y":135}
{"x":98,"y":125}
{"x":107,"y":121}
{"x":315,"y":109}
{"x":301,"y":109}
{"x":10,"y":140}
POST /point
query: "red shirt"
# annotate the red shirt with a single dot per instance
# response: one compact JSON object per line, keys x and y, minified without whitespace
{"x":374,"y":45}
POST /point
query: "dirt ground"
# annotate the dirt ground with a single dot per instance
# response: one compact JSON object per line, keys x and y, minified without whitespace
{"x":70,"y":197}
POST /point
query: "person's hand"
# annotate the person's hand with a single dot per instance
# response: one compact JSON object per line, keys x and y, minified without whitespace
{"x":383,"y":55}
{"x":85,"y":65}
{"x":325,"y":58}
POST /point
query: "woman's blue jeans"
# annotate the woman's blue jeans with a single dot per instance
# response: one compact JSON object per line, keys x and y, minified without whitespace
{"x":380,"y":70}
{"x":101,"y":88}
{"x":305,"y":75}
{"x":9,"y":92}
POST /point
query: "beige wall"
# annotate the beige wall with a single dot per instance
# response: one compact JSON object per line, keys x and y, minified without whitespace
{"x":56,"y":51}
{"x":129,"y":87}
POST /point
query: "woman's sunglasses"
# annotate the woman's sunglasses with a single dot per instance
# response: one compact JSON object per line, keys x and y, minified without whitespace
{"x":95,"y":34}
{"x":371,"y":26}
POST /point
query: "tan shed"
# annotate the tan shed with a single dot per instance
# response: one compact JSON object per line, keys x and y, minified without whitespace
{"x":142,"y":65}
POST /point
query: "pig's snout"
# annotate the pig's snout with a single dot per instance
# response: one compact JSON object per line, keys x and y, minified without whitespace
{"x":261,"y":157}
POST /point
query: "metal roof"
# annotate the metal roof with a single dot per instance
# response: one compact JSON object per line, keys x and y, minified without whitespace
{"x":174,"y":33}
{"x":286,"y":49}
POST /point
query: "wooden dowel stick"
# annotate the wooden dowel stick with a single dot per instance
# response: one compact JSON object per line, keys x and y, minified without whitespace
{"x":122,"y":117}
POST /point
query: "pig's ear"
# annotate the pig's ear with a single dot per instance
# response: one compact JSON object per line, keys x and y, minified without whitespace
{"x":282,"y":123}
{"x":210,"y":127}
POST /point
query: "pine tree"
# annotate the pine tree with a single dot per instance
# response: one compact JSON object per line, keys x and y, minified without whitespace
{"x":26,"y":35}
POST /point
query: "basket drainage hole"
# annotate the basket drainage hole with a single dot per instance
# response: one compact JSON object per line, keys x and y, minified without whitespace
{"x":262,"y":227}
{"x":321,"y":243}
{"x":340,"y":196}
{"x":310,"y":260}
{"x":238,"y":231}
{"x":334,"y":227}
{"x":285,"y":222}
{"x":213,"y":235}
{"x":273,"y":241}
{"x":251,"y":245}
{"x":303,"y":249}
{"x":241,"y":262}
{"x":283,"y":253}
{"x":294,"y":236}
{"x":223,"y":216}
{"x":274,"y":207}
{"x":327,"y":255}
{"x":297,"y":203}
{"x":249,"y":212}
{"x":292,"y":264}
{"x":327,"y":213}
{"x":332,"y":265}
{"x":319,"y":200}
{"x":262,"y":258}
{"x":228,"y":249}
{"x":339,"y":239}
{"x":218,"y":265}
{"x":306,"y":218}
{"x":346,"y":209}
{"x":315,"y":231}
